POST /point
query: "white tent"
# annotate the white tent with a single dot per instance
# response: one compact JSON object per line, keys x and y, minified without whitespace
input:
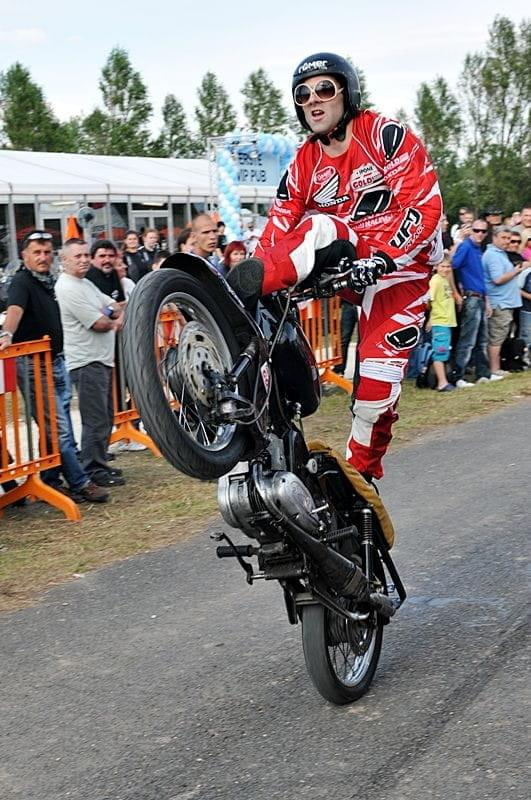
{"x":29,"y":173}
{"x":74,"y":180}
{"x":25,"y":173}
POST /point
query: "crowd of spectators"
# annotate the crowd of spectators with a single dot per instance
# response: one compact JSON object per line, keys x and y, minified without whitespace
{"x":487,"y":282}
{"x":480,"y":298}
{"x":81,"y":309}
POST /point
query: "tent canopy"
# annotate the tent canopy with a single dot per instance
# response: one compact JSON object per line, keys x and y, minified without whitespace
{"x":30,"y":173}
{"x":25,"y":173}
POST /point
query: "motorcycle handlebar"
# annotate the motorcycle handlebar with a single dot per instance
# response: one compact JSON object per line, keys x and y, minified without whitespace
{"x":333,"y":284}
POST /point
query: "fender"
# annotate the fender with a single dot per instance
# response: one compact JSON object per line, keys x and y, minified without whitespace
{"x":242,"y":323}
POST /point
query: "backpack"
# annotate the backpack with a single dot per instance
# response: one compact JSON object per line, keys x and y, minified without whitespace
{"x":512,"y":354}
{"x":426,"y":377}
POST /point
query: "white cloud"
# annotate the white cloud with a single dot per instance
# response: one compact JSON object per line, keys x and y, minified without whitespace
{"x":23,"y":35}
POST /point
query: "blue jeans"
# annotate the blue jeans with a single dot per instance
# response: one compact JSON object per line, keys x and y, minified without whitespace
{"x":525,"y":328}
{"x":472,"y":342}
{"x":74,"y":474}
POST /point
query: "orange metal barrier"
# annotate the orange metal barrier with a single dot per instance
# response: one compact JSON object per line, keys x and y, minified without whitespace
{"x":19,"y":458}
{"x":125,"y":411}
{"x":321,"y":322}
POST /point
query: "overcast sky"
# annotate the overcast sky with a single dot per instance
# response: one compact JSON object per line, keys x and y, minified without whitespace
{"x":172,"y":43}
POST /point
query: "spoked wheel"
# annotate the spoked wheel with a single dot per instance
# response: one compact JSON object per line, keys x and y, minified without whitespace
{"x":175,"y":336}
{"x":341,"y":656}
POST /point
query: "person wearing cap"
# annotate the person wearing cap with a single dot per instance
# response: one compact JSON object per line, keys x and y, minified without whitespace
{"x":471,"y":345}
{"x":33,"y":312}
{"x":361,"y":187}
{"x":493,"y":218}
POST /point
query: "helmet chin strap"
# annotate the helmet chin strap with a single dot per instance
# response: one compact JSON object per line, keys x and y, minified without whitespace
{"x":338,"y":133}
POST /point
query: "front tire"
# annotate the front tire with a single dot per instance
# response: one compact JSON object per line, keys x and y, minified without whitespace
{"x":170,"y":314}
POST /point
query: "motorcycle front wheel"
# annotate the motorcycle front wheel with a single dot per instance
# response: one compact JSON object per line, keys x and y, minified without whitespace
{"x":174,"y":334}
{"x":341,"y":656}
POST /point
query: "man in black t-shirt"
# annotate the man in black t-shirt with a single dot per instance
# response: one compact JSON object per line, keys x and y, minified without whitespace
{"x":150,"y":247}
{"x":102,"y":272}
{"x":33,"y":312}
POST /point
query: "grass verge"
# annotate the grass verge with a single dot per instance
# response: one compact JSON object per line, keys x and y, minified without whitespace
{"x":158,"y":506}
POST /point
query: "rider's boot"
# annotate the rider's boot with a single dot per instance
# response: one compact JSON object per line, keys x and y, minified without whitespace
{"x":246,"y":278}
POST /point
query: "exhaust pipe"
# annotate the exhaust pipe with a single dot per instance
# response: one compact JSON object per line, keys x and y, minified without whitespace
{"x":285,"y":496}
{"x":382,"y":604}
{"x":340,"y":574}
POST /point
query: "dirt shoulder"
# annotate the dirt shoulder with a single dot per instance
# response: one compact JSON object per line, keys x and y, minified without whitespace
{"x":158,"y":506}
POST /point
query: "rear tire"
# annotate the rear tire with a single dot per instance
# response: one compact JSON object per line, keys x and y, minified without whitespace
{"x":177,"y":424}
{"x":340,"y":673}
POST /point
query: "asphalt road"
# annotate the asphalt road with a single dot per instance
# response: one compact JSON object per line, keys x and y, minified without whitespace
{"x":166,"y":677}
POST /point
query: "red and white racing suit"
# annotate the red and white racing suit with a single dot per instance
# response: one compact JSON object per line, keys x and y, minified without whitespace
{"x":381,"y":194}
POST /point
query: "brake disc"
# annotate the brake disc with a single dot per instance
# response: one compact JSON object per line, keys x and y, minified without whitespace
{"x":197,"y":356}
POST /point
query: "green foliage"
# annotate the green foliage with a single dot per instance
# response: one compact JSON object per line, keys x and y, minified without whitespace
{"x":26,"y":120}
{"x":438,"y":122}
{"x":480,"y":147}
{"x":366,"y":101}
{"x":215,"y":115}
{"x":121,"y":129}
{"x":496,"y":86}
{"x":175,"y":140}
{"x":263,"y":107}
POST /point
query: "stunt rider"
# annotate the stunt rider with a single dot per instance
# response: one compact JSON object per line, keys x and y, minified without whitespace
{"x":361,"y":187}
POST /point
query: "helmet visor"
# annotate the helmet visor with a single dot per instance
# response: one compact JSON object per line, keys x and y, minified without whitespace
{"x":324,"y":91}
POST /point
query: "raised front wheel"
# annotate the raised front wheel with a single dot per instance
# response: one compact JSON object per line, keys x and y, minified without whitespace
{"x":175,"y":336}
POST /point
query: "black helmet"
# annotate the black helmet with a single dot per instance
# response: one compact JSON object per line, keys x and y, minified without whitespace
{"x":329,"y":64}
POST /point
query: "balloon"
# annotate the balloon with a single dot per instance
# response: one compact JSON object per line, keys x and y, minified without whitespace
{"x":229,"y":205}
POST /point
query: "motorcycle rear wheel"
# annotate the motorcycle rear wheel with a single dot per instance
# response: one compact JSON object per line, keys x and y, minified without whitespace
{"x":167,"y":386}
{"x":341,"y":656}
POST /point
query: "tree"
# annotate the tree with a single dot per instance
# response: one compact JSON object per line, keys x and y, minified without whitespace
{"x":215,"y":115}
{"x":263,"y":107}
{"x":496,"y":86}
{"x":438,"y":121}
{"x":366,"y":101}
{"x":120,"y":129}
{"x":27,"y":121}
{"x":175,"y":140}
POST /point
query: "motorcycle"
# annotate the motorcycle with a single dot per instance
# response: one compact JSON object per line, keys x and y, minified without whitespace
{"x":222,"y":391}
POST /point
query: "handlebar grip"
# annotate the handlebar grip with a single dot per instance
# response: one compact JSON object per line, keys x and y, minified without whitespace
{"x":246,"y":550}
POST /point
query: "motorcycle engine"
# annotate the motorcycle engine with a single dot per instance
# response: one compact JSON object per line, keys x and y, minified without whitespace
{"x":254,"y":503}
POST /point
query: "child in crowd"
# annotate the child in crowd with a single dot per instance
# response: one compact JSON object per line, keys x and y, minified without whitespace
{"x":442,"y":320}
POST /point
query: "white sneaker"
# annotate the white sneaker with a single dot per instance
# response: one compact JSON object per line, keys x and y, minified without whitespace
{"x":483,"y":380}
{"x":133,"y":447}
{"x":501,"y":373}
{"x":496,"y":377}
{"x":462,"y":384}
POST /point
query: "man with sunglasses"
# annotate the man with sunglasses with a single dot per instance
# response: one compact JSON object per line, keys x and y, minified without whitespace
{"x":361,"y":187}
{"x":473,"y":337}
{"x":33,"y":312}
